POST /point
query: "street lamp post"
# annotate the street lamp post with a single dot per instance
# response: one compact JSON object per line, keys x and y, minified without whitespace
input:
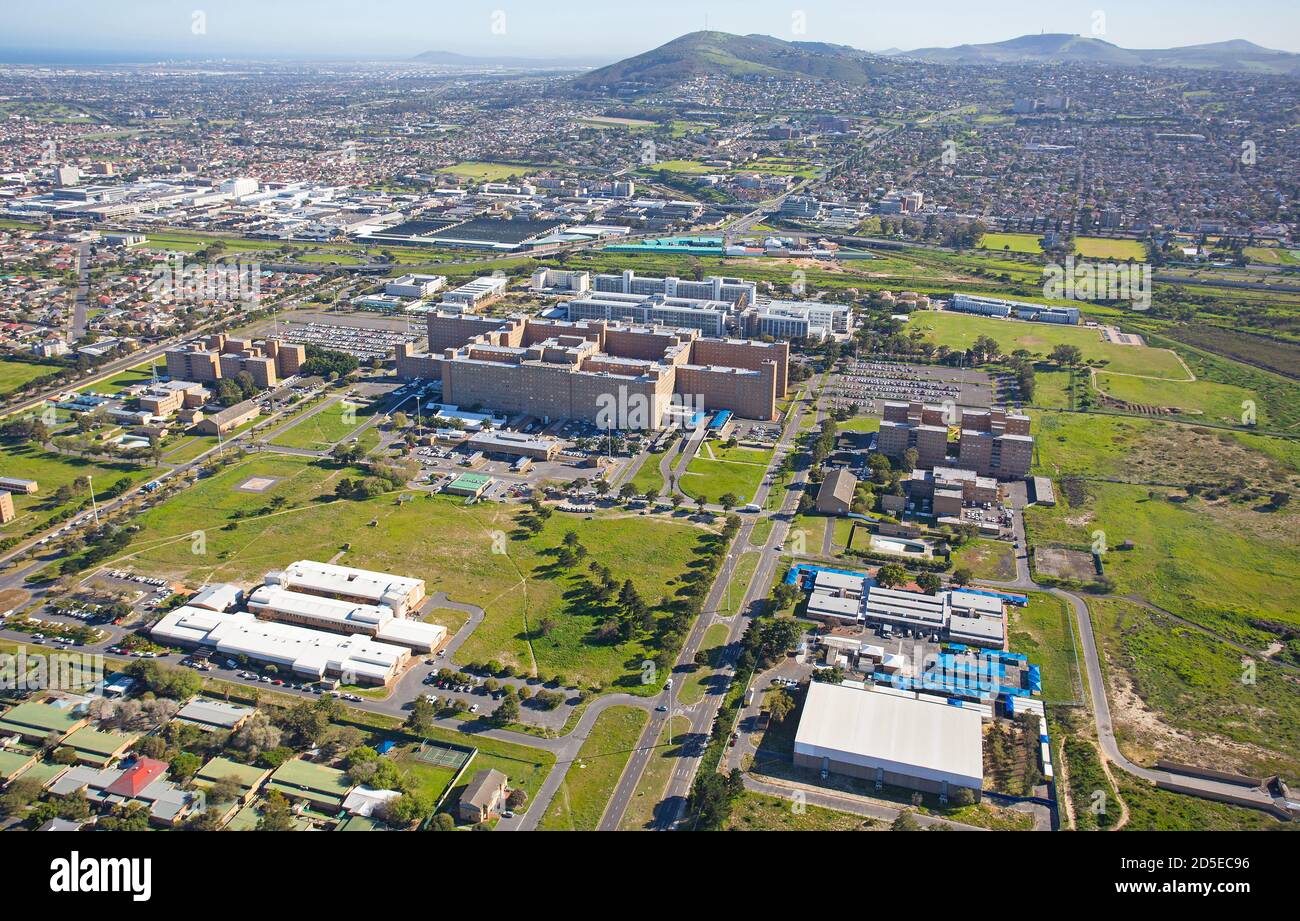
{"x":90,"y":481}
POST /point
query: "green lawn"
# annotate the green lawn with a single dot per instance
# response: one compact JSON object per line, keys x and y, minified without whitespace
{"x":640,"y":812}
{"x":580,"y":801}
{"x":1111,"y":250}
{"x":321,"y":430}
{"x":1012,"y":242}
{"x":487,"y":172}
{"x":52,"y":470}
{"x":14,"y":375}
{"x":1043,"y":630}
{"x":959,"y":331}
{"x":712,"y":479}
{"x":441,"y":540}
{"x":1218,"y":403}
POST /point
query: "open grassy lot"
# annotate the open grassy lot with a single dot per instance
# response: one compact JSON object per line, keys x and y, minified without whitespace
{"x":448,"y":544}
{"x":53,"y":470}
{"x":760,"y":812}
{"x":1218,"y":403}
{"x":1012,"y":242}
{"x":1224,"y":565}
{"x":986,"y":559}
{"x":960,"y":330}
{"x":1044,"y":631}
{"x":321,"y":430}
{"x":1152,"y":809}
{"x":1107,"y":249}
{"x":640,"y":812}
{"x":140,"y":374}
{"x":15,"y":374}
{"x":861,"y":424}
{"x":696,"y":684}
{"x":486,"y":172}
{"x":1180,"y":693}
{"x":711,"y":479}
{"x":590,"y":780}
{"x":676,"y":166}
{"x":648,"y":476}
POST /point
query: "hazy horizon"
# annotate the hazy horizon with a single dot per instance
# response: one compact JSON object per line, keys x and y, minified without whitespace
{"x":68,"y":31}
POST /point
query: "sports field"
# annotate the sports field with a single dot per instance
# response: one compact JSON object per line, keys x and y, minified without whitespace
{"x":1107,"y":249}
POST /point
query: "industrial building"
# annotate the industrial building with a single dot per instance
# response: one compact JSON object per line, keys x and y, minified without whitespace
{"x":890,"y":737}
{"x":412,"y":285}
{"x":515,"y":444}
{"x":992,"y":442}
{"x":709,"y":317}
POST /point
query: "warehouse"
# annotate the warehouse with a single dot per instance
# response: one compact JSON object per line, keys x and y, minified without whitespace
{"x":311,"y":653}
{"x":890,"y":738}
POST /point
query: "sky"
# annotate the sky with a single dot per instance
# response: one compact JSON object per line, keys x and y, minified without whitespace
{"x":599,"y":30}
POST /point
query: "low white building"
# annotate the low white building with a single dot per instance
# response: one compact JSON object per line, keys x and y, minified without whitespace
{"x":401,"y":593}
{"x":379,"y":621}
{"x":355,"y":658}
{"x":413,"y":285}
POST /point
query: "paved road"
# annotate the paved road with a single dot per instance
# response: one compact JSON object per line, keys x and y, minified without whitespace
{"x":701,"y":715}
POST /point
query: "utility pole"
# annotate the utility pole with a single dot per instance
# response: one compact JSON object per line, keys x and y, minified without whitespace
{"x":93,"y":507}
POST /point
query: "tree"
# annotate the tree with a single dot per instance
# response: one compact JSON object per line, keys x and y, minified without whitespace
{"x":728,"y":501}
{"x":421,"y":718}
{"x":712,"y":798}
{"x":276,"y":814}
{"x":962,"y":576}
{"x":226,"y":790}
{"x":508,"y":710}
{"x":779,"y":706}
{"x":929,"y":582}
{"x":891,"y":575}
{"x":1067,"y":356}
{"x":905,"y":822}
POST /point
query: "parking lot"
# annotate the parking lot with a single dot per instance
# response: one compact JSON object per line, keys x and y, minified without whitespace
{"x":866,"y":384}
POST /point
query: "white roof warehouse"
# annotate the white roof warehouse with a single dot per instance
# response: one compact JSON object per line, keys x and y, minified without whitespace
{"x":894,"y":739}
{"x":365,"y":586}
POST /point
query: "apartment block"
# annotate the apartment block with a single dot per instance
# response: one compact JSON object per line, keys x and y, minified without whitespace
{"x":991,"y":442}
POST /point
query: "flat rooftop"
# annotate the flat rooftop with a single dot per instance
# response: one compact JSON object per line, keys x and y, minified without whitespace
{"x":903,"y":735}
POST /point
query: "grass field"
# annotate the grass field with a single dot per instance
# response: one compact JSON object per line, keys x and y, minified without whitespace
{"x":14,"y":375}
{"x":486,"y":172}
{"x":760,"y":812}
{"x":1011,"y":242}
{"x":640,"y":812}
{"x":52,"y":470}
{"x":740,"y":473}
{"x":1197,"y":687}
{"x":648,"y":476}
{"x":581,"y":799}
{"x":321,"y":430}
{"x":1219,"y":403}
{"x":1222,"y":564}
{"x":1111,"y":250}
{"x":959,"y":331}
{"x":449,"y":545}
{"x":986,"y":559}
{"x":1044,"y":632}
{"x":1152,"y":809}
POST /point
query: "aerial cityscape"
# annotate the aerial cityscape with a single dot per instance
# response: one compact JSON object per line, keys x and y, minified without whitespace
{"x":736,"y":419}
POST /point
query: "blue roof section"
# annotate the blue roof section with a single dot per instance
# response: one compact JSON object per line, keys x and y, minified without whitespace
{"x":798,"y":570}
{"x":720,"y":418}
{"x":386,"y":746}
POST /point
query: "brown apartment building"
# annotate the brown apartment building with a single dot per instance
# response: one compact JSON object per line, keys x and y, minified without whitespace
{"x":587,"y":369}
{"x":992,"y":442}
{"x":218,"y":357}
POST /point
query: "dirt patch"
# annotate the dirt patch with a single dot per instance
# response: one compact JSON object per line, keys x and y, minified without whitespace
{"x":13,"y":598}
{"x":1064,"y":564}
